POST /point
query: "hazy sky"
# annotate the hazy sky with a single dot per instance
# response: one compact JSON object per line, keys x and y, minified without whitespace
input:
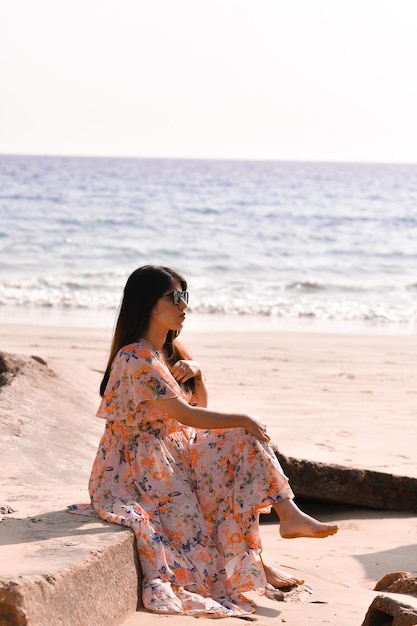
{"x":245,"y":79}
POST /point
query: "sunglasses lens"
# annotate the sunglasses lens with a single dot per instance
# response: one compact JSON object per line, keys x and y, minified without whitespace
{"x":178,"y":295}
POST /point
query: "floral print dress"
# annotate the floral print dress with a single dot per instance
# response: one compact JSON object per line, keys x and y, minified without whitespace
{"x":192,"y":497}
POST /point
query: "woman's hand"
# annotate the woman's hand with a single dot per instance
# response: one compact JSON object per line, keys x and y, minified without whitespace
{"x":183,"y":370}
{"x":256,"y":428}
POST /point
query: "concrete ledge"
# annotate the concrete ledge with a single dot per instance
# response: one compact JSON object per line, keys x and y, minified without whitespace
{"x":102,"y":586}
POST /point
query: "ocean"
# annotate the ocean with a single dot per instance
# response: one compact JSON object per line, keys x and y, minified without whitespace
{"x":263,"y":245}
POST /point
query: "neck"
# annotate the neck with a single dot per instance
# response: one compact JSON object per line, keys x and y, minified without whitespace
{"x":156,"y":338}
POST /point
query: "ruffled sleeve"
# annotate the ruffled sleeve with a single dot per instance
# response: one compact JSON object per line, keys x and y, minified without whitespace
{"x":137,"y":376}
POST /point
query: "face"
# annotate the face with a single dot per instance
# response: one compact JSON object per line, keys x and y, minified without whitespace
{"x":166,"y":313}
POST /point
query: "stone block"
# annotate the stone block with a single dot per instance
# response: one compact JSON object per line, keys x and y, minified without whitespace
{"x":385,"y":611}
{"x":344,"y":485}
{"x":102,"y":589}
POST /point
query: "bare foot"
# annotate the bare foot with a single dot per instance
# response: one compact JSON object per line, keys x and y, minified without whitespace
{"x":309,"y":528}
{"x":294,"y":523}
{"x":279,"y":579}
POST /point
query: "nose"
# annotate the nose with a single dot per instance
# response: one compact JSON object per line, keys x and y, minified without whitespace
{"x":183,"y":305}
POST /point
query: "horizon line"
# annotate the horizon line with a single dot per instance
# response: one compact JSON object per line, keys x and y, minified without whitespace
{"x":202,"y":158}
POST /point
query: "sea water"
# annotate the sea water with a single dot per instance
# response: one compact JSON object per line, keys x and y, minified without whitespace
{"x":262,"y":244}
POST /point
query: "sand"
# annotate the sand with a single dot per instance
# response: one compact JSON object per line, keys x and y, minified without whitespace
{"x":339,"y":398}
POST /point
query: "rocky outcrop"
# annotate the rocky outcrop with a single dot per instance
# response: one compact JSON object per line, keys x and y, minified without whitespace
{"x":12,"y":364}
{"x":44,"y":421}
{"x":385,"y":611}
{"x":344,"y":485}
{"x":398,"y":582}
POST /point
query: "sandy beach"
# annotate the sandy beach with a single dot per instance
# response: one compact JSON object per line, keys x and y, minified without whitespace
{"x":339,"y":398}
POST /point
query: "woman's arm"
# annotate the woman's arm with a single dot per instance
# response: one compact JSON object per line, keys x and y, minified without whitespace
{"x":200,"y":390}
{"x":199,"y":417}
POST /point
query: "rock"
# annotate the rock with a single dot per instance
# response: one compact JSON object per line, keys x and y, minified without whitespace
{"x":12,"y":365}
{"x":39,"y":359}
{"x":293,"y":593}
{"x":358,"y":487}
{"x":43,"y":420}
{"x":385,"y":611}
{"x":6,"y":509}
{"x":398,"y":582}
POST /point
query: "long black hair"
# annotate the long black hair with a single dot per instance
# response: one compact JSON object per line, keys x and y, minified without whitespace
{"x":143,"y":289}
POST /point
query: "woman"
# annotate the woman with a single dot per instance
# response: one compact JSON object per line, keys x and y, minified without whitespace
{"x":190,"y":482}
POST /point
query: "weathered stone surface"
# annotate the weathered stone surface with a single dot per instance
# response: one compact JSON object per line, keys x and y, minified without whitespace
{"x":385,"y":611}
{"x":15,"y":365}
{"x":10,"y":364}
{"x":102,"y":589}
{"x":34,"y":437}
{"x":398,"y":582}
{"x":359,"y":487}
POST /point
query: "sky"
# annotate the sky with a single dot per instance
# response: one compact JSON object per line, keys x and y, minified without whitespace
{"x":309,"y":80}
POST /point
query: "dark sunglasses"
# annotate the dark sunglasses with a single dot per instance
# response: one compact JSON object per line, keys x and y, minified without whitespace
{"x":177,"y":296}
